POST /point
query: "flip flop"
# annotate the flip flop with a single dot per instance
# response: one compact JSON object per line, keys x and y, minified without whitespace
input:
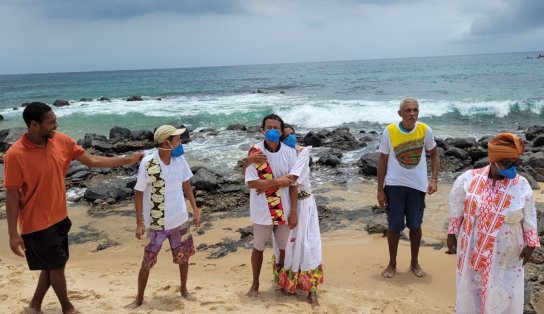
{"x":418,"y":272}
{"x":389,"y":273}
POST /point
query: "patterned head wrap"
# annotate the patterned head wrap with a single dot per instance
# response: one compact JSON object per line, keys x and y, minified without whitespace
{"x":505,"y":146}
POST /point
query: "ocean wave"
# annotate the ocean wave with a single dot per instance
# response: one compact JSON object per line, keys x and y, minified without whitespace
{"x":304,"y":111}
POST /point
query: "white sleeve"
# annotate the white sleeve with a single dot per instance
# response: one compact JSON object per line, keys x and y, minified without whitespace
{"x":430,"y":143}
{"x":251,"y":173}
{"x":303,"y":160}
{"x":187,"y":173}
{"x":530,"y":233}
{"x":141,"y":182}
{"x":384,"y":144}
{"x":457,"y":200}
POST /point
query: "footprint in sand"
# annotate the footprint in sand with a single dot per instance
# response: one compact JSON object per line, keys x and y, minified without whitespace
{"x":166,"y":288}
{"x":83,"y":295}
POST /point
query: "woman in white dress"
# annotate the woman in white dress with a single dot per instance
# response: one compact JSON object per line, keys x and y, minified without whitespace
{"x":302,"y":267}
{"x":493,"y":230}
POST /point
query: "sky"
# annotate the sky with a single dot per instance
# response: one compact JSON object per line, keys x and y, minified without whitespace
{"x":43,"y":36}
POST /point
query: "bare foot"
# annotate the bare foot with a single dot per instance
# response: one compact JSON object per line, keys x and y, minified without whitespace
{"x":71,"y":310}
{"x":31,"y":310}
{"x":134,"y":304}
{"x":312,"y":299}
{"x":186,"y":295}
{"x":253,"y":292}
{"x":418,"y":271}
{"x":389,"y":271}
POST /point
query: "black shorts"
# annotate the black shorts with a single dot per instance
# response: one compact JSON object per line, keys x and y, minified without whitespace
{"x":47,"y":249}
{"x":404,"y":203}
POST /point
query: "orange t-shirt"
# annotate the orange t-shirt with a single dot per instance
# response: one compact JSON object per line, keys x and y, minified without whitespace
{"x":38,"y":173}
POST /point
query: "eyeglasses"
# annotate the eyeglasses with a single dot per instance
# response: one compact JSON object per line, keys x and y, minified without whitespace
{"x":508,"y":163}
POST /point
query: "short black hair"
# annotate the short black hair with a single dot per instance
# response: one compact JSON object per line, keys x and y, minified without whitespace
{"x":273,"y":116}
{"x":35,"y":111}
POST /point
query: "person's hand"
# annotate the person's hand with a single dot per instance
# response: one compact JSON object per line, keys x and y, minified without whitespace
{"x":17,"y":244}
{"x":284,"y":181}
{"x":140,"y":230}
{"x":526,"y":254}
{"x":382,"y":199}
{"x":293,"y":219}
{"x":135,"y":157}
{"x":256,"y":157}
{"x":452,"y":244}
{"x":196,"y":219}
{"x":433,"y":186}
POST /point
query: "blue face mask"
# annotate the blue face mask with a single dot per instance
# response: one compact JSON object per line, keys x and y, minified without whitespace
{"x":509,"y":173}
{"x":178,"y":151}
{"x":290,"y":140}
{"x":272,"y":135}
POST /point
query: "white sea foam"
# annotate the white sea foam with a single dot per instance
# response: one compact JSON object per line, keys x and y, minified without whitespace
{"x":304,"y":111}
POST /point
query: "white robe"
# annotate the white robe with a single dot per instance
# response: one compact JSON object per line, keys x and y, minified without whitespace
{"x":303,"y":252}
{"x":499,"y":286}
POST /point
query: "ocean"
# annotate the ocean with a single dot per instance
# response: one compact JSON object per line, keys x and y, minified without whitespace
{"x":459,"y":96}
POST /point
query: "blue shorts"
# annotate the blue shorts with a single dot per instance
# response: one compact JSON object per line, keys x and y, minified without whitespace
{"x":404,"y":202}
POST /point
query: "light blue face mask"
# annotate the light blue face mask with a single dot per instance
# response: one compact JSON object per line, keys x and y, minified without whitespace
{"x":290,"y":140}
{"x":178,"y":151}
{"x":509,"y":173}
{"x":272,"y":135}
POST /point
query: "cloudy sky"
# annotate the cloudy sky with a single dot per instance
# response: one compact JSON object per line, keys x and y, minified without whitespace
{"x":88,"y":35}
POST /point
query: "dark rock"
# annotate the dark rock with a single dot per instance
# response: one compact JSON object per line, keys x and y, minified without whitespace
{"x":135,"y":98}
{"x":12,"y":135}
{"x":311,"y":139}
{"x":61,"y":103}
{"x":369,"y":163}
{"x":536,"y":161}
{"x":25,"y":104}
{"x":484,"y":140}
{"x":141,"y":135}
{"x":80,"y":175}
{"x":373,"y":227}
{"x":106,"y":243}
{"x":534,"y":131}
{"x":462,"y":142}
{"x":323,"y":133}
{"x":231,"y":188}
{"x":458,"y":153}
{"x":115,"y":188}
{"x":104,"y":99}
{"x":440,"y":143}
{"x":452,"y":164}
{"x":476,"y":153}
{"x":85,"y":99}
{"x":246,"y":233}
{"x":185,"y":136}
{"x":481,"y":163}
{"x":538,"y":141}
{"x":205,"y":180}
{"x":102,"y":146}
{"x":118,"y":132}
{"x":1,"y":117}
{"x":330,"y":157}
{"x":238,"y":127}
{"x":202,"y":247}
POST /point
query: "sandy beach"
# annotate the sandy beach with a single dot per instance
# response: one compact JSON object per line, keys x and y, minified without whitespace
{"x":105,"y":281}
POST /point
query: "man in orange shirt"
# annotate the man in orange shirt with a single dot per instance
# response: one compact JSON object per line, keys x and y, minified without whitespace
{"x":34,"y":171}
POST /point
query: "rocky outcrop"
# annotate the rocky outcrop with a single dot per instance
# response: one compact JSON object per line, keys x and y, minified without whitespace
{"x":61,"y":103}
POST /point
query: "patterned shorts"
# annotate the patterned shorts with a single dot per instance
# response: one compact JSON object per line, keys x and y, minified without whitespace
{"x":181,"y":244}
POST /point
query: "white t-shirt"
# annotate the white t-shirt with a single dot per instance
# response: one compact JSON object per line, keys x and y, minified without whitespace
{"x":177,"y":172}
{"x":407,"y":166}
{"x":280,"y":162}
